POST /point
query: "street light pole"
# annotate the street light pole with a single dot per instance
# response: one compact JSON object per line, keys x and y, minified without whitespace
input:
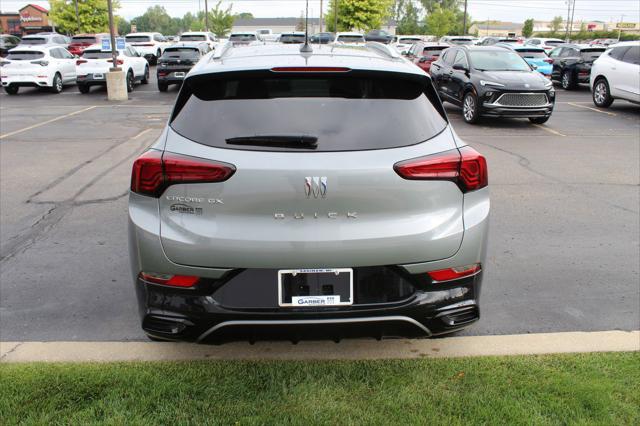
{"x":464,"y":26}
{"x":206,"y":15}
{"x":112,"y":36}
{"x":320,"y":16}
{"x":336,"y":17}
{"x":77,"y":17}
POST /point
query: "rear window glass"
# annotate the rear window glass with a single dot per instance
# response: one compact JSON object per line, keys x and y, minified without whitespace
{"x":180,"y":52}
{"x":34,"y":40}
{"x":137,"y":39}
{"x":193,"y":37}
{"x":24,"y":56}
{"x":96,"y":54}
{"x":430,"y":51}
{"x":345,"y":113}
{"x":534,"y":53}
{"x":351,"y":39}
{"x":291,"y":38}
{"x":461,"y":41}
{"x":550,"y":42}
{"x":79,"y":39}
{"x":408,"y":40}
{"x":591,"y":54}
{"x":242,"y":37}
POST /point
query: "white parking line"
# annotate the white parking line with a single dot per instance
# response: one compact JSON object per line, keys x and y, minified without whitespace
{"x":465,"y":346}
{"x":140,"y":134}
{"x":592,"y":109}
{"x":71,"y":114}
{"x":549,"y":129}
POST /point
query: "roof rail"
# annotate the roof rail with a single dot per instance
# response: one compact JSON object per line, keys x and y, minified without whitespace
{"x":221,"y":52}
{"x":383,"y":49}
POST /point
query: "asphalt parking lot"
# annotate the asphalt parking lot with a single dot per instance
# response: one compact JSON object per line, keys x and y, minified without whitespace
{"x":563,"y":249}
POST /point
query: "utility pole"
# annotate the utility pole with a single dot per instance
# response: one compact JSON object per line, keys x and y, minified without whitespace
{"x":464,"y":26}
{"x":336,"y":16}
{"x":206,"y":15}
{"x":112,"y":35}
{"x":320,"y":16}
{"x":77,"y":17}
{"x":566,"y":29}
{"x":116,"y":78}
{"x":573,"y":11}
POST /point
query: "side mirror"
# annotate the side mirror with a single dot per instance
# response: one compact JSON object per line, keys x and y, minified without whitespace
{"x":460,"y":67}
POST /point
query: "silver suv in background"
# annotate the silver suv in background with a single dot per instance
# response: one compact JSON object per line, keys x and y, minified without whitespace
{"x":298,"y":195}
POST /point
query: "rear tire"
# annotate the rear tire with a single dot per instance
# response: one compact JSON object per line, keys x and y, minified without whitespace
{"x":539,"y":120}
{"x":163,"y":87}
{"x":470,"y":108}
{"x":601,"y":94}
{"x":567,"y":81}
{"x":129,"y":81}
{"x":145,"y":79}
{"x":57,"y":84}
{"x":83,"y":88}
{"x":11,"y":89}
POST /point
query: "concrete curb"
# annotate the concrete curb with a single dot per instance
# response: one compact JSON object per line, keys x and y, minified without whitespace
{"x":521,"y":344}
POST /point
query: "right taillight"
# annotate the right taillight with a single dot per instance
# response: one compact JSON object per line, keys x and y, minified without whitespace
{"x":464,"y":166}
{"x":154,"y":171}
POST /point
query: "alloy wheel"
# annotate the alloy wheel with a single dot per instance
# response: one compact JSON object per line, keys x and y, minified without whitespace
{"x":600,"y":93}
{"x":469,"y":107}
{"x":565,"y":80}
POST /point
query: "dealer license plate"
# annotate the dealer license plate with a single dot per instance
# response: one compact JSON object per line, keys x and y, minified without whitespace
{"x":302,"y":288}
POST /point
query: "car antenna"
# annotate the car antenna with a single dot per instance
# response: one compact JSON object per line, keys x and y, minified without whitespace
{"x":305,"y":48}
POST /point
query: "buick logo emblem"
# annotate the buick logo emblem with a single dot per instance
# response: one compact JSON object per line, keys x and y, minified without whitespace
{"x":315,"y":186}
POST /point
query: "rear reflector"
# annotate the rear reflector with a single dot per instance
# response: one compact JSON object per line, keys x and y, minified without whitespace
{"x":455,"y":273}
{"x":154,"y":171}
{"x":464,"y":166}
{"x":310,"y":69}
{"x":170,"y":280}
{"x":81,"y":61}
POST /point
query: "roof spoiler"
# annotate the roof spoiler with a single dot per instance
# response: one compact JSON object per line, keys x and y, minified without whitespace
{"x":222,"y":52}
{"x":383,"y":49}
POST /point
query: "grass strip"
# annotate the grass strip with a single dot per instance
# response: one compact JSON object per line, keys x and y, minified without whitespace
{"x":599,"y":388}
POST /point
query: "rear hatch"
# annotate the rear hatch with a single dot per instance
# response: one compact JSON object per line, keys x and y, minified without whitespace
{"x":23,"y":62}
{"x":314,"y":183}
{"x":588,"y":56}
{"x":139,"y":40}
{"x":94,"y":61}
{"x":178,"y":59}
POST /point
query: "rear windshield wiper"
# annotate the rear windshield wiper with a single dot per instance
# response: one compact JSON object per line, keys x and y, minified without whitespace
{"x":276,"y":141}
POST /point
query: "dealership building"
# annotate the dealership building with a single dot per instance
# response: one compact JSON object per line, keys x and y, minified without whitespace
{"x":30,"y":19}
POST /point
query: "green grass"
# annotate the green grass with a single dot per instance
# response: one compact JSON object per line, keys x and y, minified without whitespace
{"x":560,"y":389}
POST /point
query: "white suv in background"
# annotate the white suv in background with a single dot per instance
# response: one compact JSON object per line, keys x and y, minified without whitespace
{"x":37,"y":66}
{"x":548,"y":44}
{"x":616,"y":74}
{"x":94,"y":64}
{"x":42,"y":39}
{"x":150,"y":45}
{"x":200,"y":36}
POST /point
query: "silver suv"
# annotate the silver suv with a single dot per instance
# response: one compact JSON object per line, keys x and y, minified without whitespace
{"x":298,"y":195}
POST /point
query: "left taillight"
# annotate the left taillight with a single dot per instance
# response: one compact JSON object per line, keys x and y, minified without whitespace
{"x":154,"y":171}
{"x":464,"y":166}
{"x":81,"y":61}
{"x":450,"y":274}
{"x":184,"y":281}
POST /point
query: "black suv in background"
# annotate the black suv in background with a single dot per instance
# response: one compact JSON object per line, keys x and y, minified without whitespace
{"x":572,"y":64}
{"x":492,"y":81}
{"x":380,"y":36}
{"x":7,"y":42}
{"x":176,"y":61}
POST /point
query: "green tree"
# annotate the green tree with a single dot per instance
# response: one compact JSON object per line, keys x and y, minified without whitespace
{"x":556,"y":24}
{"x":408,"y":22}
{"x":440,"y":21}
{"x":221,"y":20}
{"x":431,"y":5}
{"x":154,"y":19}
{"x":93,"y":14}
{"x":362,"y":15}
{"x":244,"y":15}
{"x":124,"y":26}
{"x":527,"y":28}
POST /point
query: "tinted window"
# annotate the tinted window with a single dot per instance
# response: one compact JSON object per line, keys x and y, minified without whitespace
{"x":460,"y":59}
{"x":96,"y":54}
{"x":24,"y":55}
{"x":553,"y":42}
{"x":351,"y":39}
{"x":345,"y":113}
{"x":64,"y":54}
{"x":536,"y":42}
{"x":181,"y":52}
{"x":432,"y":51}
{"x":618,"y":52}
{"x":193,"y":37}
{"x":291,"y":38}
{"x":591,"y":54}
{"x":461,"y":41}
{"x":448,"y":56}
{"x":242,"y":37}
{"x":632,"y":55}
{"x":83,"y":39}
{"x":34,"y":40}
{"x":55,"y":53}
{"x":59,"y":40}
{"x":137,"y":38}
{"x":493,"y":60}
{"x":555,"y":52}
{"x":408,"y":40}
{"x":531,"y":53}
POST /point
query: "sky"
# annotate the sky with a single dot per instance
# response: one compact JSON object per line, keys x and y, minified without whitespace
{"x":503,"y":10}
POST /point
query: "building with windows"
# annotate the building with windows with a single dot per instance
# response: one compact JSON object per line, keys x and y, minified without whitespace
{"x":30,"y":19}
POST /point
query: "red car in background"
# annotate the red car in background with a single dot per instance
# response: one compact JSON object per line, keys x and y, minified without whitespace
{"x":423,"y":54}
{"x":80,"y":42}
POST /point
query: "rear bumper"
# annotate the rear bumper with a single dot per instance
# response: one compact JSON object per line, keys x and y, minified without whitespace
{"x":180,"y":315}
{"x":27,"y":81}
{"x":91,"y":80}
